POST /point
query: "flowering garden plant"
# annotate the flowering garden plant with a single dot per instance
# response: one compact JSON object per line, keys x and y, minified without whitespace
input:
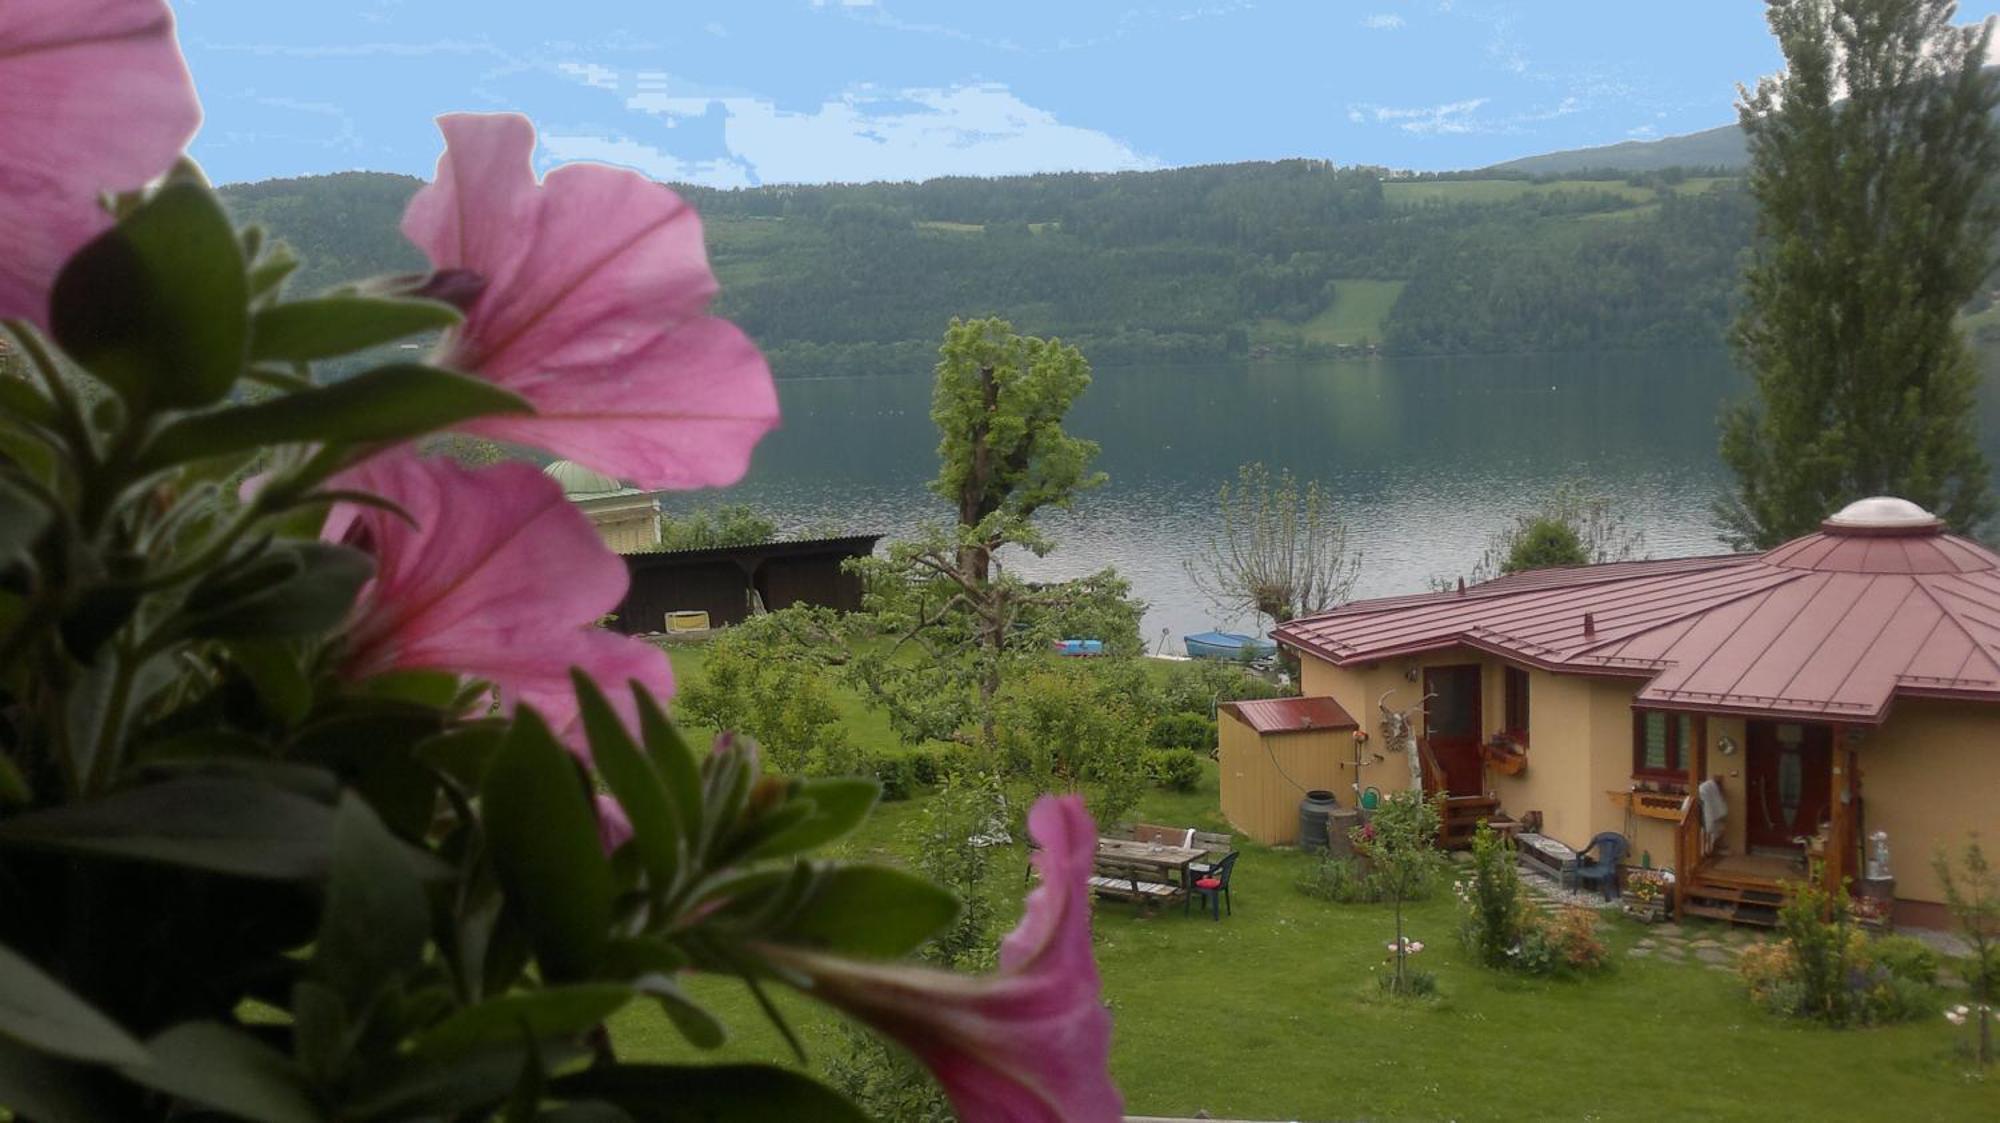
{"x":321,"y":797}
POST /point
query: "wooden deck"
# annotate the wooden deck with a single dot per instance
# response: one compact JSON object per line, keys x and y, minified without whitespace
{"x":1740,"y":888}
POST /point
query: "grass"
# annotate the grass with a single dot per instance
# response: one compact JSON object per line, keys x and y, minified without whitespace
{"x":1354,"y":319}
{"x":1274,"y":1013}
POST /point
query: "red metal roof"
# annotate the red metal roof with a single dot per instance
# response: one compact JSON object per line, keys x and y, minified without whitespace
{"x":1291,"y":715}
{"x":1832,"y":625}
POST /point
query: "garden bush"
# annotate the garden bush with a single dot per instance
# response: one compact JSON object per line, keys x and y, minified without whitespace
{"x":1341,"y":880}
{"x":1491,"y":899}
{"x":1182,"y":731}
{"x":1173,"y":769}
{"x":1905,"y":957}
{"x":1822,"y":968}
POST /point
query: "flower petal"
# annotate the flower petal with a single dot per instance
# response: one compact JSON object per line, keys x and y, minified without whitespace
{"x":1029,"y":1043}
{"x":499,"y":578}
{"x":94,"y":98}
{"x":596,"y":282}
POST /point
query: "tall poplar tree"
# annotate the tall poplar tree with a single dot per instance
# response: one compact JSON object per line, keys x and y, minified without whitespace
{"x":1872,"y":160}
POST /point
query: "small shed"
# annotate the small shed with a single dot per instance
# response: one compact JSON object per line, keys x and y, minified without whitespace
{"x":731,"y":582}
{"x":1275,"y":750}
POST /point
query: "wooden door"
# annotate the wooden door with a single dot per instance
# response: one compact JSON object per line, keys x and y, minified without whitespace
{"x":1788,"y":782}
{"x":1452,"y":724}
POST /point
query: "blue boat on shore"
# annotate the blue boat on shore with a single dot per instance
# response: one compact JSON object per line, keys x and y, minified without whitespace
{"x":1228,"y":645}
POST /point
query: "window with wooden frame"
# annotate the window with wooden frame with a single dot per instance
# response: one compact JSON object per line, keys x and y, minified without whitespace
{"x":1664,"y":744}
{"x":1515,"y":704}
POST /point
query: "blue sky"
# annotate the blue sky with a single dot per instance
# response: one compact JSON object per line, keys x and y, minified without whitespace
{"x":776,"y":91}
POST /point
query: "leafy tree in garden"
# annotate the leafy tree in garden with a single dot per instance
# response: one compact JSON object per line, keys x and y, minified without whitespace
{"x":1003,"y":457}
{"x":755,"y":683}
{"x":1400,"y":842}
{"x":1873,"y":157}
{"x":1072,"y":729}
{"x":730,"y":524}
{"x":1571,"y":527}
{"x":1972,"y":896}
{"x":1276,"y":551}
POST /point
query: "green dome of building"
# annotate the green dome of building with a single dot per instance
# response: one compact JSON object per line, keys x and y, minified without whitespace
{"x":579,"y":482}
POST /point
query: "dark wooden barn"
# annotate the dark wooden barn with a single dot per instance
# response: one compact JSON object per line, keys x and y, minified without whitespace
{"x":722,"y":581}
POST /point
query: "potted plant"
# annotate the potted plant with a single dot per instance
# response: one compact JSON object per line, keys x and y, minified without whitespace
{"x":1646,"y":894}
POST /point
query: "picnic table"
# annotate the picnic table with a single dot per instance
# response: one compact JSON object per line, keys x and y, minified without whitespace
{"x":1147,"y":873}
{"x":1171,"y":862}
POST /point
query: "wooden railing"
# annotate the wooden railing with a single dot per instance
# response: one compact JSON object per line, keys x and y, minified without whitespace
{"x":1690,"y":847}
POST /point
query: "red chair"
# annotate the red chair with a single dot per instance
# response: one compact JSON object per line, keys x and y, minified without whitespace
{"x":1214,"y":888}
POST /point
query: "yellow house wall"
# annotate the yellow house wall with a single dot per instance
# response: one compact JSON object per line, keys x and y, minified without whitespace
{"x":1929,"y":775}
{"x":1264,"y":778}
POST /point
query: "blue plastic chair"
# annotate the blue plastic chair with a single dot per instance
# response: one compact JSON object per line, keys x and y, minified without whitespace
{"x":1214,"y":888}
{"x":1609,"y":847}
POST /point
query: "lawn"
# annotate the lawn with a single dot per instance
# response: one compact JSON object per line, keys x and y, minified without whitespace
{"x":1354,"y":319}
{"x":1273,"y":1014}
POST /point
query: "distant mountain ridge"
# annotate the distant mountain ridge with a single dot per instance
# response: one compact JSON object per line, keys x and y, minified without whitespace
{"x":1721,"y":147}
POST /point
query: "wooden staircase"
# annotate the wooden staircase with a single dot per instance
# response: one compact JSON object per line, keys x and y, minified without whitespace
{"x":1462,"y":816}
{"x":1720,"y":897}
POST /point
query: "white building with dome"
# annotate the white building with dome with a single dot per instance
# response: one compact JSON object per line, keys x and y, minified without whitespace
{"x":627,"y":518}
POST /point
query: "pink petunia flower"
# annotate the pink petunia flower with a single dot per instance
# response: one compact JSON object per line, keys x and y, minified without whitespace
{"x":500,"y":578}
{"x":593,"y":308}
{"x":1029,"y":1044}
{"x":94,"y":98}
{"x":614,"y":827}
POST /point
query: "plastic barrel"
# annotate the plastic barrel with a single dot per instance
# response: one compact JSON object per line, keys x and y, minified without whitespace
{"x":1313,"y":812}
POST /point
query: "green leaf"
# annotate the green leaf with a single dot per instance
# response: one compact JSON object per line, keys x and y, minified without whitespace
{"x":870,"y":911}
{"x":542,"y":837}
{"x":656,"y":827}
{"x":322,"y":328}
{"x":21,"y":519}
{"x":38,"y":1011}
{"x":39,"y":1087}
{"x":376,"y":920}
{"x":227,"y":825}
{"x":839,"y":804}
{"x":228,"y":1070}
{"x":389,"y":403}
{"x":676,"y":763}
{"x":709,"y":1093}
{"x":157,"y":306}
{"x":702,"y":1029}
{"x":299,"y":588}
{"x":589,"y":1111}
{"x":277,"y":674}
{"x":557,"y":1012}
{"x":462,"y":753}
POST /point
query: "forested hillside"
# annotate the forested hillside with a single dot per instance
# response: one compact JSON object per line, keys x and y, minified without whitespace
{"x":1270,"y":259}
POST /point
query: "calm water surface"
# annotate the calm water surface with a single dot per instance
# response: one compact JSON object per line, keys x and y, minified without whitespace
{"x":1427,"y":458}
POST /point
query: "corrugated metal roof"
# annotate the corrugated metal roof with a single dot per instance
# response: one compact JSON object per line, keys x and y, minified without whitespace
{"x":1291,"y":715}
{"x":1831,"y":625}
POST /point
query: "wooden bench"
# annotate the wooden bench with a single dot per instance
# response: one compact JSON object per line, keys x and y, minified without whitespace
{"x":1217,"y":843}
{"x":1164,"y":836}
{"x":1127,"y":882}
{"x":1545,"y":854}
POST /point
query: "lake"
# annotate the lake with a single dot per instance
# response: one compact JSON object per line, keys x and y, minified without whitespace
{"x":1427,"y":458}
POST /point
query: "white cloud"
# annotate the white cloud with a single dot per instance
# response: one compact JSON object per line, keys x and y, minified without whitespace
{"x":1384,"y":21}
{"x":591,"y":74}
{"x":1642,"y":132}
{"x":868,"y":133}
{"x":645,"y":158}
{"x":1448,"y":117}
{"x":715,"y":29}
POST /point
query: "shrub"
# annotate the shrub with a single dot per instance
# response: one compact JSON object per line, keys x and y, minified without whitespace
{"x":1572,"y":935}
{"x":1182,"y":731}
{"x":1905,"y":957}
{"x":1416,"y":983}
{"x":896,"y":773}
{"x":1826,"y":970}
{"x":1174,"y":769}
{"x":1817,"y":931}
{"x":1341,"y":880}
{"x":1491,"y":898}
